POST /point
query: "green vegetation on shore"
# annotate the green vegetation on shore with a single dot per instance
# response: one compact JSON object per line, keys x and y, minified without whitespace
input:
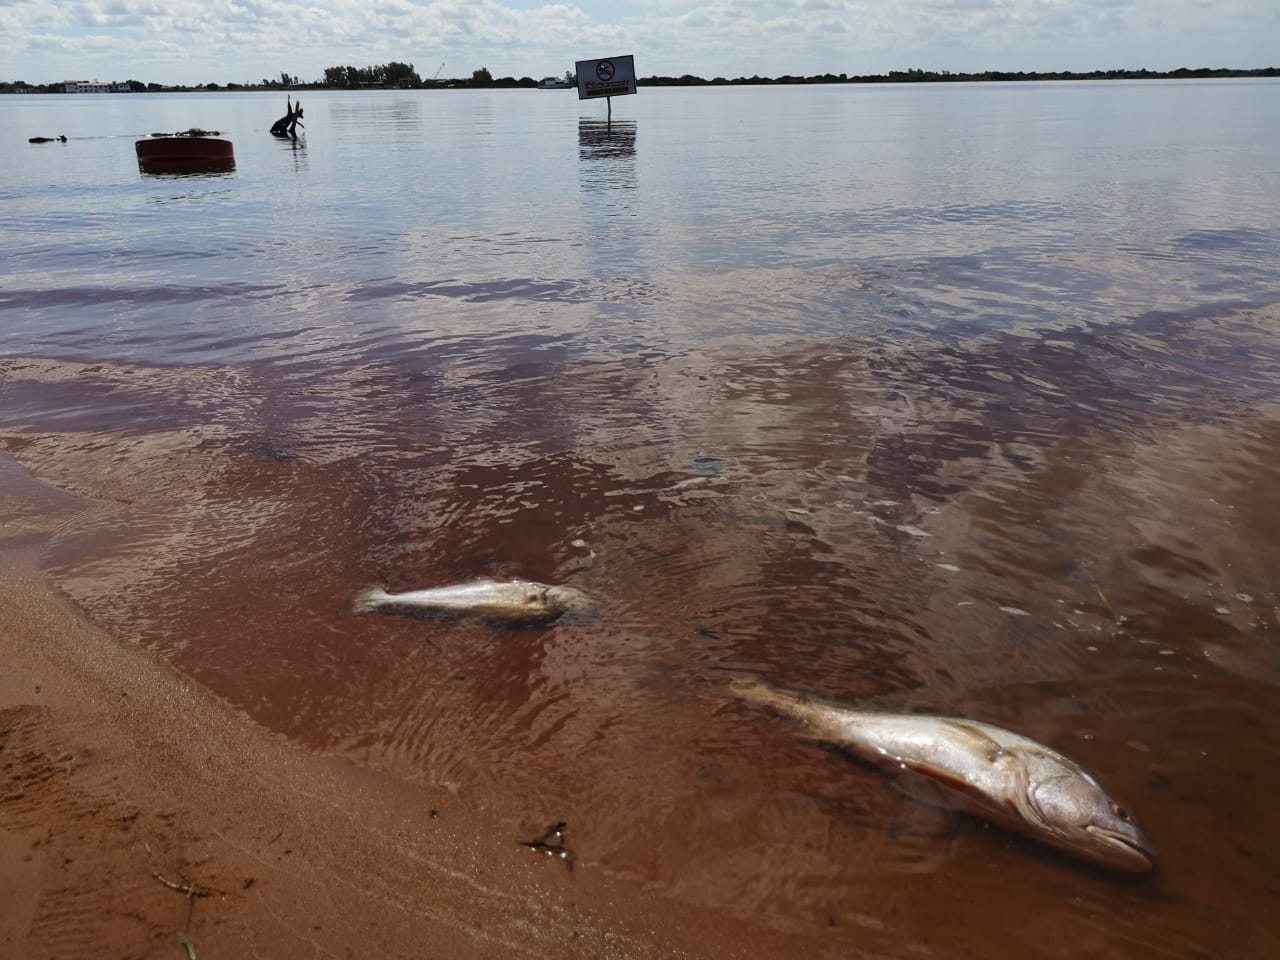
{"x":946,"y":76}
{"x":396,"y":75}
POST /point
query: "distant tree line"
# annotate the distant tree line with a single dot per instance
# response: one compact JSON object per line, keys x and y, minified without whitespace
{"x":397,"y":75}
{"x":393,"y":74}
{"x":946,"y":76}
{"x":405,"y":76}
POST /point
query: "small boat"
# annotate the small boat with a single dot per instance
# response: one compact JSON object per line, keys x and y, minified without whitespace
{"x":185,"y":153}
{"x":554,"y":83}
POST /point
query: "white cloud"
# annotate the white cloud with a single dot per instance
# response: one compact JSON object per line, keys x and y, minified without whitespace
{"x":193,"y":41}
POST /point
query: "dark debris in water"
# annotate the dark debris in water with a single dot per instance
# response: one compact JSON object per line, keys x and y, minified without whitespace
{"x":551,"y":842}
{"x":271,"y":451}
{"x":192,"y":132}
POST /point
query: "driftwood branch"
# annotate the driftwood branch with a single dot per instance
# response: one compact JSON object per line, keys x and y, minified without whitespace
{"x":287,"y":126}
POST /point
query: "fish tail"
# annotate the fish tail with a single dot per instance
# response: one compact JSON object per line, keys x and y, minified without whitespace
{"x":788,"y":703}
{"x":753,"y":690}
{"x":368,"y":599}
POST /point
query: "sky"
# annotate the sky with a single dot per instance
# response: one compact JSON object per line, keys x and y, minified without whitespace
{"x":243,"y":41}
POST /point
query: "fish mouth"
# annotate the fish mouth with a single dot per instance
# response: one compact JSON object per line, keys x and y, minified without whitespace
{"x":1123,"y":851}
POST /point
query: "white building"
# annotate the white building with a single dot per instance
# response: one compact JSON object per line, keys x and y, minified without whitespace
{"x":95,"y":86}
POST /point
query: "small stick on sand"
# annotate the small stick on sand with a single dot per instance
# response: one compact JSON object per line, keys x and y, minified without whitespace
{"x":184,"y":887}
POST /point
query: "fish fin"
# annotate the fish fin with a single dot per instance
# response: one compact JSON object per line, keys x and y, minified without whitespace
{"x":366,"y":600}
{"x":841,"y":752}
{"x":744,"y":686}
{"x":751,"y":690}
{"x":979,"y":740}
{"x":926,"y":786}
{"x":943,"y":789}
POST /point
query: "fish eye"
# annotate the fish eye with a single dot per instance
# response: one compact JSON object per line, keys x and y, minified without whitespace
{"x":1120,"y":812}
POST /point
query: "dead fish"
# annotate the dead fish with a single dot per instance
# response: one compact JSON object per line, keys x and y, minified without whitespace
{"x":509,"y":602}
{"x":987,"y":771}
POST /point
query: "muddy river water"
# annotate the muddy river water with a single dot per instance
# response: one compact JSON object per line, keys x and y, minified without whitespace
{"x":961,"y":400}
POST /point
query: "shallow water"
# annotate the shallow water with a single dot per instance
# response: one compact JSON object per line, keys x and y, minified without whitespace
{"x":956,"y":399}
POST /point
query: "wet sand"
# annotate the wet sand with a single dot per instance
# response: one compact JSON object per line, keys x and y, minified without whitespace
{"x":120,"y":778}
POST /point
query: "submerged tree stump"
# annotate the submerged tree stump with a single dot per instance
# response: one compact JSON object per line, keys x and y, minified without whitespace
{"x":287,"y":126}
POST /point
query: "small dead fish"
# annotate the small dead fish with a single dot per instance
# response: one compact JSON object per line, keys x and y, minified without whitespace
{"x":987,"y":771}
{"x":509,"y":602}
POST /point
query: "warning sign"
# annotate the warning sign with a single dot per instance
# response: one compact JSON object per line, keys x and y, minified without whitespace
{"x":610,"y":77}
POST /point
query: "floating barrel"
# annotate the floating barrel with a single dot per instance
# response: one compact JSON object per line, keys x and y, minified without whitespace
{"x":185,"y":155}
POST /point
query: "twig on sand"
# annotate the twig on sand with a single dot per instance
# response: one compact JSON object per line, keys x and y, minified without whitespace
{"x":192,"y":893}
{"x":551,"y":842}
{"x":189,"y":889}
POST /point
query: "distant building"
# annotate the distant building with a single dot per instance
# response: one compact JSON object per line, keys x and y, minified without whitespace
{"x":95,"y":86}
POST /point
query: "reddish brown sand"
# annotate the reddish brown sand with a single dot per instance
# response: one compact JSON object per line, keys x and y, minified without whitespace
{"x":118,"y":779}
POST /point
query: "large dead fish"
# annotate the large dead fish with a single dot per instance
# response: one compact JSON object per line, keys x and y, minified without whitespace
{"x":509,"y":602}
{"x":985,"y":770}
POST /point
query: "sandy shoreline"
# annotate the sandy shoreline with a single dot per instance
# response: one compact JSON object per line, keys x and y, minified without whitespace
{"x":115,"y":770}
